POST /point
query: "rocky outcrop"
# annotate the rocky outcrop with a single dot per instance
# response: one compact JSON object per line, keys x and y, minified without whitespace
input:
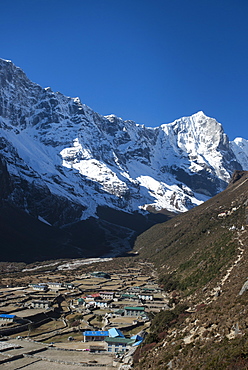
{"x":244,"y":288}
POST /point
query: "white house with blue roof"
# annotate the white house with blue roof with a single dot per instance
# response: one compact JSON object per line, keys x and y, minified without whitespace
{"x":95,"y":335}
{"x":7,"y":318}
{"x":100,"y":335}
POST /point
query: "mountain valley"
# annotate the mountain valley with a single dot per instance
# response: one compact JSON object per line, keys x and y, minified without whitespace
{"x":199,"y":259}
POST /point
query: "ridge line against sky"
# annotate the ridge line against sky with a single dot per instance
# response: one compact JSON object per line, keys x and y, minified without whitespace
{"x":147,"y":61}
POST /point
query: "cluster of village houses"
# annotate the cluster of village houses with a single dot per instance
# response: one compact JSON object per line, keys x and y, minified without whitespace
{"x":112,"y":339}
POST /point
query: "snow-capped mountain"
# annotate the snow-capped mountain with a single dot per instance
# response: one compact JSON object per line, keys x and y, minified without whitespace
{"x":61,"y":161}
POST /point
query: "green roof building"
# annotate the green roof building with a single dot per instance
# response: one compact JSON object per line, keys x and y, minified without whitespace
{"x":118,"y":344}
{"x":134,"y":311}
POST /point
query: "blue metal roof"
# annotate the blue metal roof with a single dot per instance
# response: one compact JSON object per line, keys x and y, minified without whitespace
{"x":137,"y":343}
{"x":4,"y":315}
{"x":98,"y":333}
{"x":138,"y":340}
{"x":137,"y":337}
{"x":113,"y":332}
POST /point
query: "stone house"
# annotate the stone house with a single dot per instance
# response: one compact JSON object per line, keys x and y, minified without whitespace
{"x":107,"y":295}
{"x":145,"y":296}
{"x":41,"y":304}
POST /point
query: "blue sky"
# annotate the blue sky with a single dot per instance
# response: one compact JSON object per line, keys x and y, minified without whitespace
{"x":151,"y":61}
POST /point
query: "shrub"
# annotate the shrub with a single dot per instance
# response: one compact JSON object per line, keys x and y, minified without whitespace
{"x":169,"y":282}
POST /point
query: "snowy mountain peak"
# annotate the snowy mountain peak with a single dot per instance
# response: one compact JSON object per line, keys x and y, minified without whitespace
{"x":55,"y":147}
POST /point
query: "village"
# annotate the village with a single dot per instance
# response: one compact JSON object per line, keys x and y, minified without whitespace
{"x":97,"y":319}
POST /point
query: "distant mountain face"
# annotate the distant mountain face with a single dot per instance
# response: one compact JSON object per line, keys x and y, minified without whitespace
{"x":62,"y":163}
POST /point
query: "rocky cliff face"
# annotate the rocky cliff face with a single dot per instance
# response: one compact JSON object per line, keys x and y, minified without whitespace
{"x":64,"y":162}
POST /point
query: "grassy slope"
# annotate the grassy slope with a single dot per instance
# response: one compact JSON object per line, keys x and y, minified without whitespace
{"x":197,"y":242}
{"x":193,"y":253}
